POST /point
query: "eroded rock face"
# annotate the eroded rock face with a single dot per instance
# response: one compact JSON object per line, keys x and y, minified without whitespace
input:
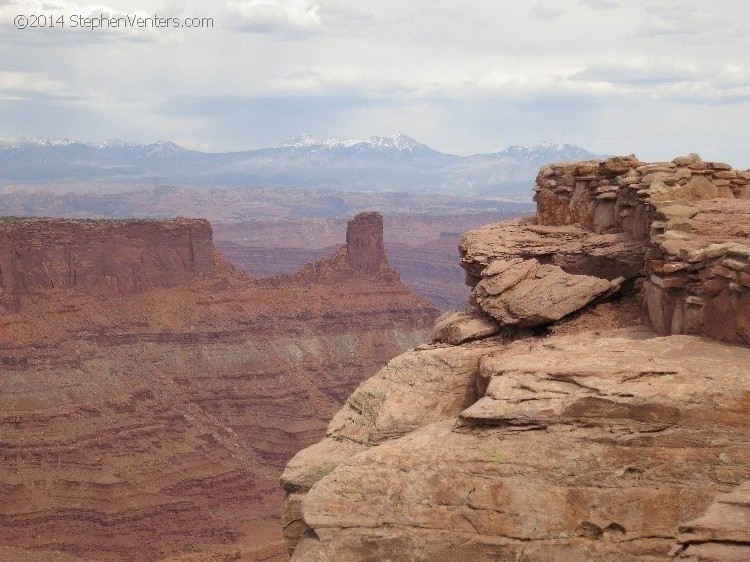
{"x":458,"y":327}
{"x":362,"y":256}
{"x":723,"y":533}
{"x":573,"y":248}
{"x":364,"y":243}
{"x":527,"y":294}
{"x":691,"y":222}
{"x":699,"y":278}
{"x":417,"y":388}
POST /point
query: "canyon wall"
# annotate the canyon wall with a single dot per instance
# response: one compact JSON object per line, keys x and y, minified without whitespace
{"x":147,"y":406}
{"x":577,"y":411}
{"x":100,"y":257}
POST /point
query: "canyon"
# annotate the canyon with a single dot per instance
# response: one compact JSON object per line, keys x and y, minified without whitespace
{"x":268,"y":232}
{"x":592,"y":403}
{"x":422,"y":248}
{"x":151,"y":393}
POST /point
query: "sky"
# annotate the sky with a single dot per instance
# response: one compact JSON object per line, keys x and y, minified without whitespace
{"x":656,"y":78}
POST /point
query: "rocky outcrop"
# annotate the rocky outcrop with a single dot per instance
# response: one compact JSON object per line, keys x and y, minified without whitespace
{"x":524,"y":274}
{"x":458,"y":327}
{"x":415,"y":389}
{"x":569,"y":452}
{"x":692,"y":219}
{"x":699,"y":275}
{"x":136,"y":425}
{"x":530,"y":429}
{"x":525,"y":293}
{"x":100,"y":257}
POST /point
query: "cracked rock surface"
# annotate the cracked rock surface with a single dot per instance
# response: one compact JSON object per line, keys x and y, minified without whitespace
{"x":591,"y":446}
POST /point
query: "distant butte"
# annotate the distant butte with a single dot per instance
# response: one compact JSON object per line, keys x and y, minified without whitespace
{"x":362,"y":256}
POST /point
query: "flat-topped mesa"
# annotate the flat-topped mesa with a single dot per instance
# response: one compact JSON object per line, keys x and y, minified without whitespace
{"x":100,"y":257}
{"x":155,"y":423}
{"x":363,"y":255}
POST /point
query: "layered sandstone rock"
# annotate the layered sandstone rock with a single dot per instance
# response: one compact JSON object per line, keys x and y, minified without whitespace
{"x":524,"y":274}
{"x":699,"y":275}
{"x":363,"y":255}
{"x":458,"y":327}
{"x":532,"y":431}
{"x":421,"y":248}
{"x":154,"y":421}
{"x":692,"y":219}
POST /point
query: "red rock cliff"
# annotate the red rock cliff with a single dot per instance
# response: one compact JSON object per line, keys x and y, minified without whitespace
{"x":101,"y":257}
{"x":364,"y":243}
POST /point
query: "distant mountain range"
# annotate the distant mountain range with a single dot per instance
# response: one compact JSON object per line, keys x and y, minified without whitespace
{"x":394,"y":163}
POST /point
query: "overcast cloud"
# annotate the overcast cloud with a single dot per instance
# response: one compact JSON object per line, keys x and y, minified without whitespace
{"x":657,"y":78}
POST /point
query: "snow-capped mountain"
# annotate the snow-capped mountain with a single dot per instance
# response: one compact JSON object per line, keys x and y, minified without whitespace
{"x":162,"y":148}
{"x":114,"y":143}
{"x":36,"y":142}
{"x":546,"y":152}
{"x":41,"y":142}
{"x":377,"y":163}
{"x":304,"y":140}
{"x":399,"y":141}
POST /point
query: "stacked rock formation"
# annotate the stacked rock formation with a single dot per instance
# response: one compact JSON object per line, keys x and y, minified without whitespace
{"x":577,"y":411}
{"x":692,"y":217}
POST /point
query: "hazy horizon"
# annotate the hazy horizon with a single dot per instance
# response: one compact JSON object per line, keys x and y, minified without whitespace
{"x":612,"y":77}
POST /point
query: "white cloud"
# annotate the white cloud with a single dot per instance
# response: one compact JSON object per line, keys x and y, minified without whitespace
{"x":674,"y":81}
{"x":686,"y":22}
{"x":639,"y":73}
{"x":600,"y":4}
{"x":272,"y":16}
{"x":19,"y":84}
{"x":546,"y":11}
